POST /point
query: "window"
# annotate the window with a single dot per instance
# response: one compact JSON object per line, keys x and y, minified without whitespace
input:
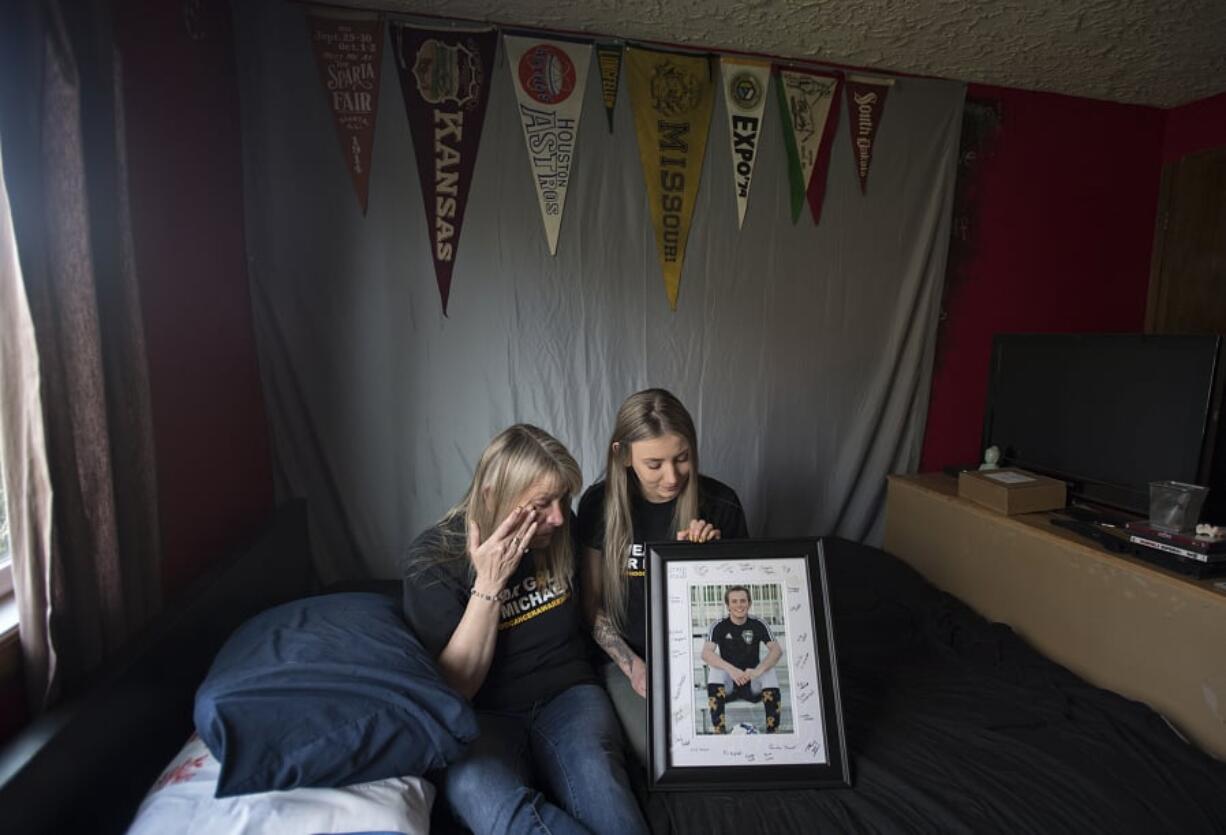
{"x":6,"y":553}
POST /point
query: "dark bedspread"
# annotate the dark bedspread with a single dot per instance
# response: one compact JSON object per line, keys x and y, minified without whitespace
{"x":955,"y":724}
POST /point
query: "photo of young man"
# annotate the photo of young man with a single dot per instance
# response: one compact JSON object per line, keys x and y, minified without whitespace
{"x":738,"y":670}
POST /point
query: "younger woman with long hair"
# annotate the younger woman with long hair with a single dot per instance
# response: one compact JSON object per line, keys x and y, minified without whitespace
{"x":652,"y":491}
{"x":488,"y":590}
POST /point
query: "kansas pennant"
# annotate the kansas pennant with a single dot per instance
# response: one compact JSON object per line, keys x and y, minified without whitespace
{"x":745,"y":85}
{"x":349,"y":53}
{"x":865,"y":107}
{"x":609,"y":57}
{"x":806,"y":102}
{"x":671,"y":95}
{"x":445,"y":79}
{"x":549,"y":79}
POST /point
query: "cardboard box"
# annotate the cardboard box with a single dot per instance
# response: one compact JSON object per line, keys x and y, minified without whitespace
{"x":1011,"y":491}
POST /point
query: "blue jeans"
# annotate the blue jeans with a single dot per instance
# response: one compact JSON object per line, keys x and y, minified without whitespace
{"x":571,"y":745}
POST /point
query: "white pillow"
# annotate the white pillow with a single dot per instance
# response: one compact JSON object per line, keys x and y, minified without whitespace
{"x":182,"y":801}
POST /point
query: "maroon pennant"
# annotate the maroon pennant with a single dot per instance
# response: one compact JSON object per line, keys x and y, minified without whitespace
{"x":865,"y":107}
{"x":445,"y":79}
{"x":349,"y":53}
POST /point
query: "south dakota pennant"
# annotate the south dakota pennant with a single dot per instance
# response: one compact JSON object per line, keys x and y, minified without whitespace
{"x":671,"y":95}
{"x":806,"y":104}
{"x":349,"y":53}
{"x":609,"y":57}
{"x":865,"y":107}
{"x":549,"y":78}
{"x":745,"y":84}
{"x":445,"y":80}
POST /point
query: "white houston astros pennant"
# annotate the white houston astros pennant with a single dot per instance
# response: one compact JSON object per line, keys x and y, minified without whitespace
{"x":549,"y":77}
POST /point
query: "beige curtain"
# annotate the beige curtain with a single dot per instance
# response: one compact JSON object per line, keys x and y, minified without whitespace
{"x":76,"y":416}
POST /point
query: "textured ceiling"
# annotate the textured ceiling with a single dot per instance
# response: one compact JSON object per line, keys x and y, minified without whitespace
{"x":1155,"y":52}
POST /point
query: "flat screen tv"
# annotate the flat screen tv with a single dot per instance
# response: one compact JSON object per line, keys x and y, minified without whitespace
{"x":1109,"y":413}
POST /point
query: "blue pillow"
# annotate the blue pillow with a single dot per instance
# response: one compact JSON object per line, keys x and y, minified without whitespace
{"x":326,"y":692}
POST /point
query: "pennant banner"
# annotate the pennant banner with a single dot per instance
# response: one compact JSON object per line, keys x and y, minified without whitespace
{"x":745,"y":86}
{"x":549,"y":78}
{"x":609,"y":57}
{"x":865,"y":107}
{"x":806,"y":103}
{"x":349,"y":53}
{"x":671,"y":95}
{"x":445,"y":80}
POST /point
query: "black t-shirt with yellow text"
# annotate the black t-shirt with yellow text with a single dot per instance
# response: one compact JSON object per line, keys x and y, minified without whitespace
{"x":540,"y":649}
{"x":717,"y":504}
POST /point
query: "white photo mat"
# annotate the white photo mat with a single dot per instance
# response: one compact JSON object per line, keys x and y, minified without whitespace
{"x":806,"y":744}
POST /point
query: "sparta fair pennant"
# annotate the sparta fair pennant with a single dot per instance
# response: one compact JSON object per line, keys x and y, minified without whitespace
{"x":549,"y":79}
{"x":671,"y":95}
{"x":609,"y":57}
{"x":806,"y":103}
{"x":349,"y":53}
{"x":445,"y":80}
{"x":745,"y":85}
{"x":865,"y":108}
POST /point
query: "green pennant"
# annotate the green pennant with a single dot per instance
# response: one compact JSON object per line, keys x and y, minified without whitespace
{"x":796,"y":176}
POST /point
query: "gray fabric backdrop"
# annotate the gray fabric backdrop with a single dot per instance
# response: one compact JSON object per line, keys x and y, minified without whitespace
{"x":803,"y":353}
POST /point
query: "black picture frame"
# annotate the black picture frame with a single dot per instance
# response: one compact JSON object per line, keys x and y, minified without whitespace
{"x":806,"y":746}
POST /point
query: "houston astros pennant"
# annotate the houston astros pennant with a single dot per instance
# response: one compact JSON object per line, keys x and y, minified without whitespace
{"x":865,"y":107}
{"x":745,"y":84}
{"x":806,"y":104}
{"x":349,"y":53}
{"x":671,"y":95}
{"x":445,"y":80}
{"x":609,"y":57}
{"x":549,"y":77}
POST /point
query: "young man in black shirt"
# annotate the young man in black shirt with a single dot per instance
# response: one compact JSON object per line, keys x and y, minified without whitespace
{"x":738,"y":670}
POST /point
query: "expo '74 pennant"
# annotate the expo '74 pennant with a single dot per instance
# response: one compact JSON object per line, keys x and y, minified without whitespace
{"x":865,"y":108}
{"x":445,"y":80}
{"x":671,"y":95}
{"x":349,"y":53}
{"x":549,"y":78}
{"x":807,"y":105}
{"x":745,"y":85}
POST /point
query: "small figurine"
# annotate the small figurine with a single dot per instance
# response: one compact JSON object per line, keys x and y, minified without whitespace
{"x":991,"y":456}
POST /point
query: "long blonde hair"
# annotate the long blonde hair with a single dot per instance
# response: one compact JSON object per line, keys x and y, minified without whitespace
{"x":645,"y":415}
{"x":517,"y":458}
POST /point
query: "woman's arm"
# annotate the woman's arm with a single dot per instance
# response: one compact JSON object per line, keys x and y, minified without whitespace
{"x":466,"y":658}
{"x":603,"y":632}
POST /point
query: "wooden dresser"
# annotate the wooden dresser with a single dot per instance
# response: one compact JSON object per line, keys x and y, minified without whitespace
{"x":1117,"y":622}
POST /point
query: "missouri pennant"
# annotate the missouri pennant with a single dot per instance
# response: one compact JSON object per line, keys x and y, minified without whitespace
{"x":745,"y":84}
{"x":445,"y":80}
{"x":349,"y":54}
{"x":865,"y":107}
{"x":671,"y":95}
{"x":549,"y":77}
{"x":609,"y":57}
{"x":806,"y":103}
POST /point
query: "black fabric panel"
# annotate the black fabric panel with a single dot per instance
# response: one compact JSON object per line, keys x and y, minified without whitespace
{"x":956,"y":725}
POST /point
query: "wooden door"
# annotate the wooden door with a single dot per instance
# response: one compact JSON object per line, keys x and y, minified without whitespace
{"x":1187,"y":282}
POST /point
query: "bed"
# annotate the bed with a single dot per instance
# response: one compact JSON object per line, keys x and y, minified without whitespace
{"x":953,"y":723}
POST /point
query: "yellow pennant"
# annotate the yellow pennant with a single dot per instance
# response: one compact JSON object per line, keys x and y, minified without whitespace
{"x":671,"y":95}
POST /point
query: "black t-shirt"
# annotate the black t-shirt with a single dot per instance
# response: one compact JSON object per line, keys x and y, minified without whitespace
{"x":740,"y":645}
{"x":540,"y":649}
{"x":717,"y":504}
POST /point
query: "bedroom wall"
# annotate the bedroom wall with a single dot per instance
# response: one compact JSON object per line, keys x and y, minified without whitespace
{"x":1058,"y":219}
{"x":181,"y":99}
{"x":1197,"y":126}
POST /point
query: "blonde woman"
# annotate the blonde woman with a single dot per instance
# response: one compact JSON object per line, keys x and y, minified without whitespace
{"x":652,"y":491}
{"x":488,"y":590}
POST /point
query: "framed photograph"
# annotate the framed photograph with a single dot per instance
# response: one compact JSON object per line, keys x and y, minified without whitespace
{"x":743,"y":689}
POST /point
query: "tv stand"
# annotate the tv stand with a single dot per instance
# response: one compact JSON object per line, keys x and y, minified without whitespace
{"x":1116,"y":621}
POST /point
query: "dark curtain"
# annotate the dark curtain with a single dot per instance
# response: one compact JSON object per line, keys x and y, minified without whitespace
{"x":96,"y":580}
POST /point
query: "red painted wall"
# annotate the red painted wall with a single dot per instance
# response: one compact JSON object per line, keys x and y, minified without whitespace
{"x":181,"y":100}
{"x":1193,"y":127}
{"x":1058,"y":238}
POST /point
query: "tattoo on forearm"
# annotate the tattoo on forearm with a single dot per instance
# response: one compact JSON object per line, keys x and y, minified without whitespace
{"x":608,"y":639}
